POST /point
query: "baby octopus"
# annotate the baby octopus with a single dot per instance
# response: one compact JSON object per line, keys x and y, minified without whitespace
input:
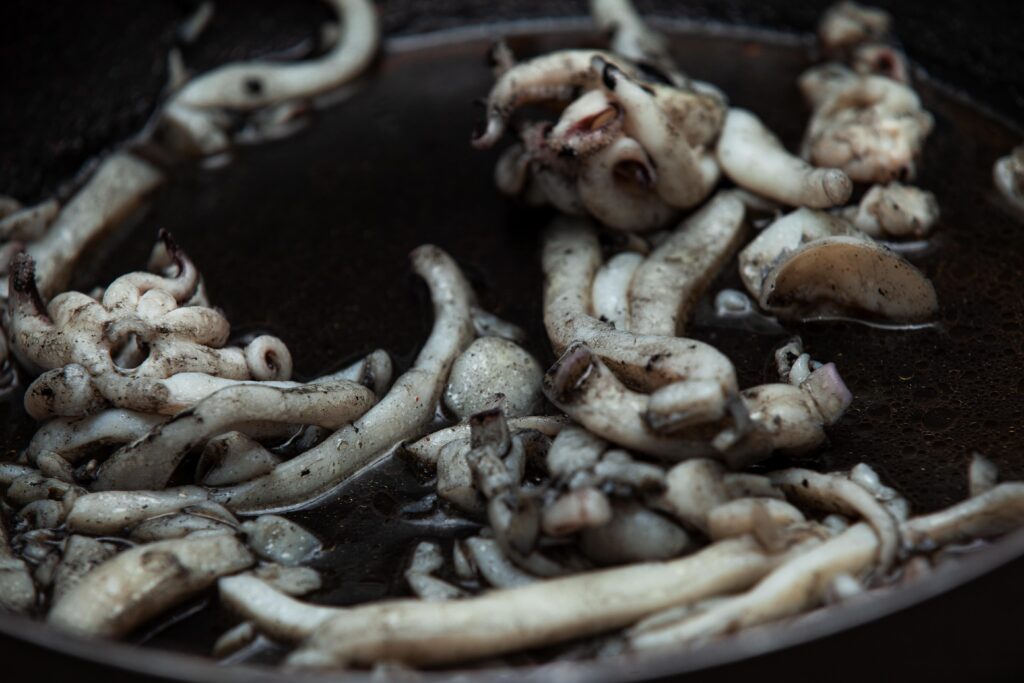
{"x":637,"y":142}
{"x":119,"y":350}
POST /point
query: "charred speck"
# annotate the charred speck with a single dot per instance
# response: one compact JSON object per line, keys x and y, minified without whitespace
{"x":253,"y":86}
{"x":567,"y":152}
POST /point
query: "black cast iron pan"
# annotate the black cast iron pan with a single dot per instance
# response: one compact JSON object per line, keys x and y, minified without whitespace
{"x":307,"y":238}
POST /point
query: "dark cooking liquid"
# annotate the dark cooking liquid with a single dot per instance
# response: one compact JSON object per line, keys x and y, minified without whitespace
{"x":308,"y":238}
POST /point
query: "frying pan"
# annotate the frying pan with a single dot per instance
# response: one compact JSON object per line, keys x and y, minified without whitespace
{"x":292,"y":239}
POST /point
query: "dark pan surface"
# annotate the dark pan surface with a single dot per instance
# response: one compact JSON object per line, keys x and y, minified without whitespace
{"x":307,"y":238}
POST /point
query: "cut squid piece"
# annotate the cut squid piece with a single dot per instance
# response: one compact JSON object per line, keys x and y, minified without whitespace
{"x":34,"y":486}
{"x":81,"y":556}
{"x":693,"y":489}
{"x":74,"y":438}
{"x":115,"y":190}
{"x":291,"y":580}
{"x":403,"y":413}
{"x":753,"y":158}
{"x":668,"y":283}
{"x":770,"y":417}
{"x":177,"y":525}
{"x":139,"y":584}
{"x":997,"y":511}
{"x":571,"y":257}
{"x":111,"y":512}
{"x":573,"y":450}
{"x":784,"y":236}
{"x":842,"y":275}
{"x":582,"y":508}
{"x":275,"y":614}
{"x":497,"y":569}
{"x":426,"y":560}
{"x":634,"y":534}
{"x":254,"y":85}
{"x":895,"y":210}
{"x":184,"y":390}
{"x":1008,"y":174}
{"x":455,"y":477}
{"x":836,"y":493}
{"x":788,"y":418}
{"x":232,"y":458}
{"x":585,"y":388}
{"x":545,"y":612}
{"x":149,"y":462}
{"x":615,"y":186}
{"x":610,"y":293}
{"x":279,"y":540}
{"x":618,"y":468}
{"x":799,"y":584}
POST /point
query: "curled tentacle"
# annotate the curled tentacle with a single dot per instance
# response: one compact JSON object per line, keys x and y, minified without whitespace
{"x":755,"y":159}
{"x":252,"y":85}
{"x":838,"y":494}
{"x":138,"y":584}
{"x":571,"y":258}
{"x":74,"y":438}
{"x":149,"y":462}
{"x":507,"y":620}
{"x":115,"y":190}
{"x":669,"y":282}
{"x":402,"y":414}
{"x":125,"y":292}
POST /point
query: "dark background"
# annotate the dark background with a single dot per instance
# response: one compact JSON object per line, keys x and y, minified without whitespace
{"x":78,"y":77}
